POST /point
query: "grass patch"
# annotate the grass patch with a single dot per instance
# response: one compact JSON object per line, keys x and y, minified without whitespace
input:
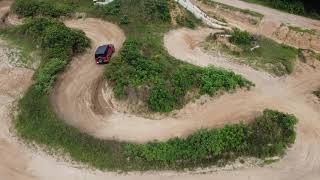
{"x":278,"y":59}
{"x":31,"y":8}
{"x":27,"y":56}
{"x":269,"y":161}
{"x":36,"y":122}
{"x":302,"y":30}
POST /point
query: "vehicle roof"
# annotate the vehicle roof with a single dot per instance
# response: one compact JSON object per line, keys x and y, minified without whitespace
{"x":102,"y":49}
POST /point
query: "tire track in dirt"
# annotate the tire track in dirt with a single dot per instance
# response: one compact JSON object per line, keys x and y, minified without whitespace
{"x":77,"y":91}
{"x":79,"y":99}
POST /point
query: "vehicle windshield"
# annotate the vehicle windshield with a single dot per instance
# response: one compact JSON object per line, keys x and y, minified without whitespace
{"x":101,"y":51}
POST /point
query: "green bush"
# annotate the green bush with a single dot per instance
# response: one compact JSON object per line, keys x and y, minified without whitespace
{"x":271,"y":133}
{"x":214,"y":79}
{"x":46,"y":74}
{"x":29,"y":8}
{"x":240,"y":37}
{"x":112,"y":8}
{"x":156,"y":10}
{"x":183,"y":79}
{"x":52,"y":35}
{"x":268,"y":135}
{"x":132,"y":70}
{"x":124,"y":20}
{"x":130,"y":52}
{"x":57,"y":43}
{"x":161,"y":99}
{"x":183,"y":21}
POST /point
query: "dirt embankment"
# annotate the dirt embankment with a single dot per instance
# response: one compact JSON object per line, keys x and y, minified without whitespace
{"x":274,"y":24}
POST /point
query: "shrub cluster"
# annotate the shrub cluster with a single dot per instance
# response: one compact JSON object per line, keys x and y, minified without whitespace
{"x":112,"y":8}
{"x":167,"y":88}
{"x":271,"y":133}
{"x":184,"y":21}
{"x":57,"y":43}
{"x":292,"y":6}
{"x":145,"y":10}
{"x":268,"y":135}
{"x":156,"y":10}
{"x":240,"y":37}
{"x":29,"y":8}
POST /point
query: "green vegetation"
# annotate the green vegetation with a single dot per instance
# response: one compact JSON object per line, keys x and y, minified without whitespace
{"x":241,"y":38}
{"x":168,"y":78}
{"x":267,"y":136}
{"x":187,"y":21}
{"x":36,"y":122}
{"x":145,"y":64}
{"x":302,"y":30}
{"x":40,"y":8}
{"x":290,"y":6}
{"x":278,"y":59}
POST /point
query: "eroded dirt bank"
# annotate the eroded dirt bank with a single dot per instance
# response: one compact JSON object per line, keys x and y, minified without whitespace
{"x":274,"y":15}
{"x":285,"y":28}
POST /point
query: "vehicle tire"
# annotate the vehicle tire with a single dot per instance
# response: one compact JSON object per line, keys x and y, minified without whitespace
{"x":100,"y":60}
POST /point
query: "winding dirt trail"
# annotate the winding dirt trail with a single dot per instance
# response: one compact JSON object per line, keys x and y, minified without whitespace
{"x":289,"y":94}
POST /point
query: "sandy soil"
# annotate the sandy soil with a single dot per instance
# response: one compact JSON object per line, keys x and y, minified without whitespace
{"x":13,"y":81}
{"x":80,"y":86}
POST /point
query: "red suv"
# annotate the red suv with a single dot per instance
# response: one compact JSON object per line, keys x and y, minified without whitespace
{"x":103,"y":53}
